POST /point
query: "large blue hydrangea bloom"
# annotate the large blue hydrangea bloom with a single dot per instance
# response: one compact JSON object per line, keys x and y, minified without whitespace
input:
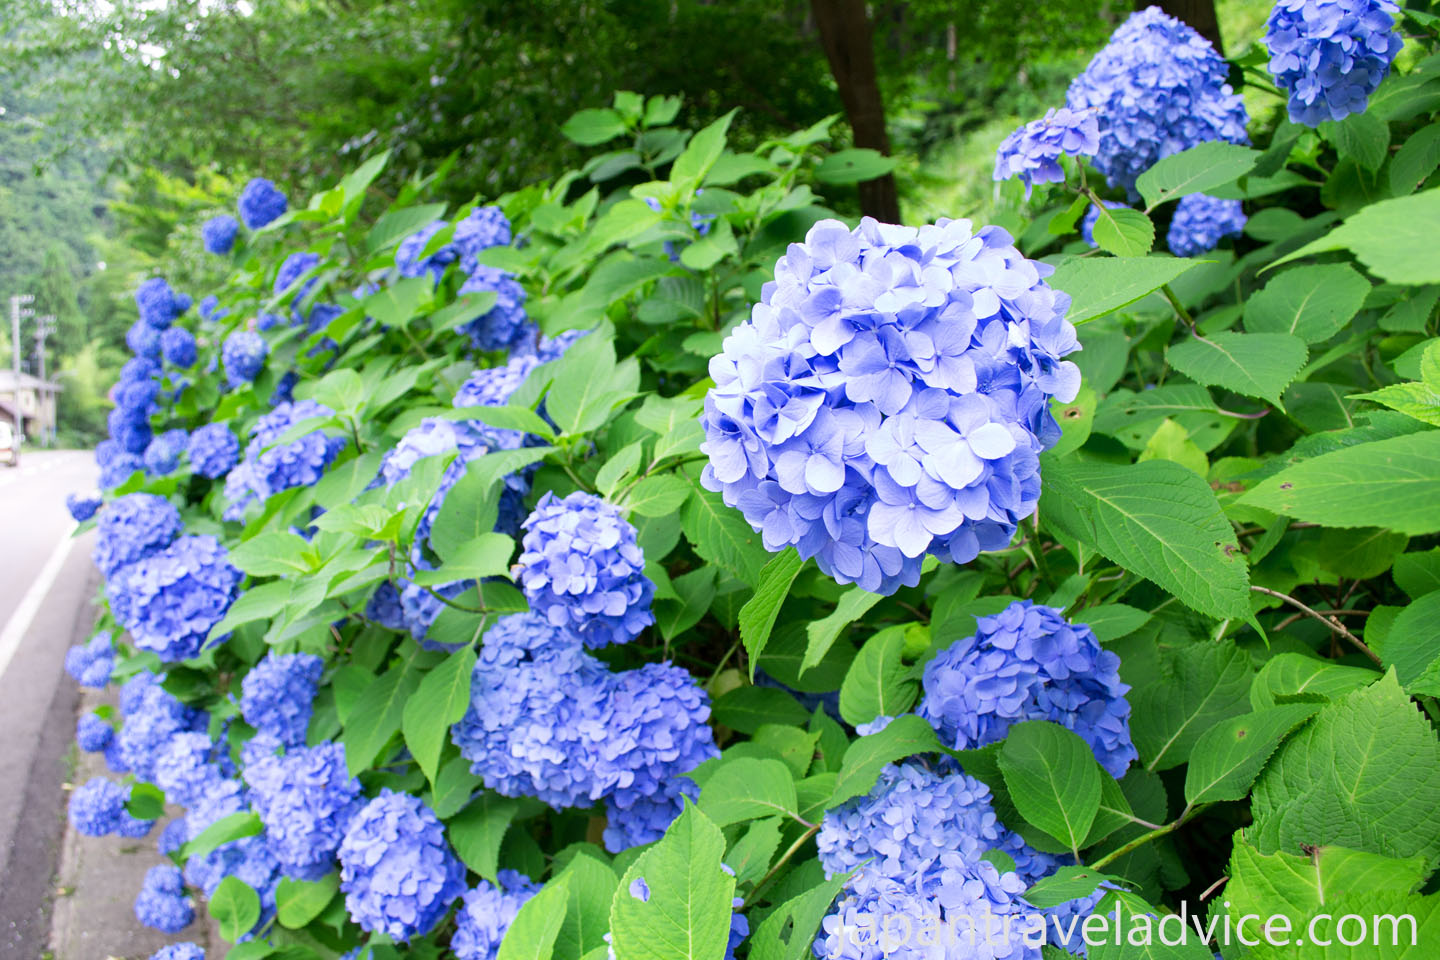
{"x":143,"y":340}
{"x":1028,"y":662}
{"x":397,"y":870}
{"x":407,"y":255}
{"x":889,"y":398}
{"x":97,"y":806}
{"x":656,"y":727}
{"x":218,"y":234}
{"x":93,"y":734}
{"x":1200,"y":222}
{"x":249,"y":859}
{"x":162,"y":904}
{"x":306,"y":799}
{"x":299,"y":463}
{"x":133,"y":527}
{"x":170,"y":601}
{"x":278,"y":695}
{"x":261,"y":203}
{"x":152,"y":719}
{"x":185,"y":768}
{"x":162,"y":456}
{"x":505,"y":326}
{"x":91,"y":663}
{"x":646,"y":818}
{"x":486,"y":913}
{"x":213,"y":450}
{"x":156,"y":303}
{"x":177,"y":345}
{"x":1158,"y":88}
{"x":1033,"y":152}
{"x":583,"y":569}
{"x":493,"y":386}
{"x":1328,"y":56}
{"x":292,"y":269}
{"x":243,"y":356}
{"x":483,"y":228}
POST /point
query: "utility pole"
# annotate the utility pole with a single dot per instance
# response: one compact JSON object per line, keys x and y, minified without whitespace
{"x":44,"y":327}
{"x":18,"y":309}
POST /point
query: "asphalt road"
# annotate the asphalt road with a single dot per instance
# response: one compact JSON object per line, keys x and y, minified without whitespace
{"x":47,"y":587}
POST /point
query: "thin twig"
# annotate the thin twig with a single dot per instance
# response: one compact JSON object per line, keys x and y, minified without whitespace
{"x":784,"y":859}
{"x":1330,"y":622}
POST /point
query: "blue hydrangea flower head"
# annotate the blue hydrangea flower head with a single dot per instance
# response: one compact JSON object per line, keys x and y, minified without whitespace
{"x":1027,"y":662}
{"x":646,"y":819}
{"x":261,"y":203}
{"x":655,"y":728}
{"x":172,"y":838}
{"x":549,"y":349}
{"x":120,"y":469}
{"x":889,"y":398}
{"x":177,"y":345}
{"x":210,"y":310}
{"x":143,"y":340}
{"x":384,"y":607}
{"x":1329,"y":56}
{"x":493,"y":386}
{"x":243,"y":356}
{"x":486,"y":914}
{"x":583,"y":569}
{"x":134,"y":691}
{"x":1158,"y":88}
{"x":536,"y":699}
{"x":397,"y":870}
{"x":1200,"y":222}
{"x":292,"y":269}
{"x":213,"y":450}
{"x":407,"y":255}
{"x":183,"y":302}
{"x":132,"y":828}
{"x":162,"y":456}
{"x":83,"y":506}
{"x":483,"y":228}
{"x":92,"y":734}
{"x":96,"y":807}
{"x":91,"y":663}
{"x":910,"y":817}
{"x":139,"y":369}
{"x":1087,"y":223}
{"x":1033,"y":152}
{"x":185,"y":768}
{"x":248,"y":858}
{"x":156,"y":302}
{"x":178,"y":951}
{"x":306,"y":799}
{"x":218,"y":234}
{"x":130,"y":430}
{"x":170,"y":601}
{"x":269,"y":468}
{"x":162,"y":904}
{"x":154,"y":718}
{"x":278,"y":695}
{"x":132,"y":528}
{"x":419,"y":608}
{"x":504,"y":326}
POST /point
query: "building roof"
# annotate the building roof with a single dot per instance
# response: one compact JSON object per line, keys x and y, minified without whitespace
{"x":27,"y":382}
{"x":11,"y":413}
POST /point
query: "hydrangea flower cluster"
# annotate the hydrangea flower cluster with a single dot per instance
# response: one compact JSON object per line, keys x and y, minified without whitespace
{"x":92,"y":733}
{"x":243,"y":356}
{"x":143,"y":340}
{"x":646,"y":818}
{"x":1200,"y":222}
{"x":505,"y":326}
{"x":83,"y":506}
{"x":157,"y":303}
{"x":248,"y":859}
{"x":306,"y":799}
{"x":213,"y":450}
{"x":97,"y":809}
{"x":152,"y":718}
{"x":295,"y":266}
{"x":278,"y":695}
{"x":162,"y":456}
{"x":177,"y":345}
{"x":397,"y":871}
{"x":184,"y":768}
{"x":1033,"y":152}
{"x":170,"y":601}
{"x":162,"y":903}
{"x":133,"y":527}
{"x":1087,"y":223}
{"x":548,"y":720}
{"x":583,"y":569}
{"x":269,"y":467}
{"x":1158,"y":88}
{"x":1329,"y":56}
{"x":407,"y":255}
{"x":889,"y":398}
{"x":486,"y":913}
{"x":261,"y":203}
{"x":1027,"y":662}
{"x":179,"y":951}
{"x":218,"y":234}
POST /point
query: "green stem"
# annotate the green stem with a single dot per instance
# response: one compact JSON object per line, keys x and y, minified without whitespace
{"x":1179,"y":308}
{"x":1145,"y":838}
{"x":784,"y":859}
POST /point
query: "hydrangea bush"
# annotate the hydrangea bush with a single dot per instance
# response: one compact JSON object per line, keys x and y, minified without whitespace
{"x":642,"y":556}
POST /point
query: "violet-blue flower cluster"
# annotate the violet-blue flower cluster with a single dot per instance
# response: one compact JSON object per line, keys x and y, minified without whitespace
{"x":97,"y":809}
{"x":243,"y":355}
{"x":261,"y":203}
{"x":1027,"y":662}
{"x":1329,"y":56}
{"x":486,"y":913}
{"x":218,"y":234}
{"x":295,"y":266}
{"x":162,"y":904}
{"x":162,"y":456}
{"x":152,"y":718}
{"x":397,"y":870}
{"x":157,"y":303}
{"x":505,"y":326}
{"x":177,"y":345}
{"x":91,"y":663}
{"x":83,"y":506}
{"x":179,"y":951}
{"x":132,"y":528}
{"x":1033,"y":152}
{"x":213,"y":450}
{"x":270,"y":467}
{"x":889,"y":398}
{"x":92,"y":733}
{"x":583,"y":569}
{"x":278,"y":695}
{"x":170,"y":601}
{"x":185,"y":767}
{"x":306,"y":799}
{"x":1158,"y":88}
{"x":1200,"y":222}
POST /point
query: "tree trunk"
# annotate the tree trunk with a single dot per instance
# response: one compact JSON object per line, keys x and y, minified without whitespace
{"x":1198,"y":14}
{"x":846,"y":36}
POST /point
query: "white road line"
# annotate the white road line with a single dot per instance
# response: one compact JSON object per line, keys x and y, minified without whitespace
{"x":24,"y":614}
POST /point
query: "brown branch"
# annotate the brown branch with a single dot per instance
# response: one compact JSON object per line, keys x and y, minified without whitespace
{"x":1330,"y":622}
